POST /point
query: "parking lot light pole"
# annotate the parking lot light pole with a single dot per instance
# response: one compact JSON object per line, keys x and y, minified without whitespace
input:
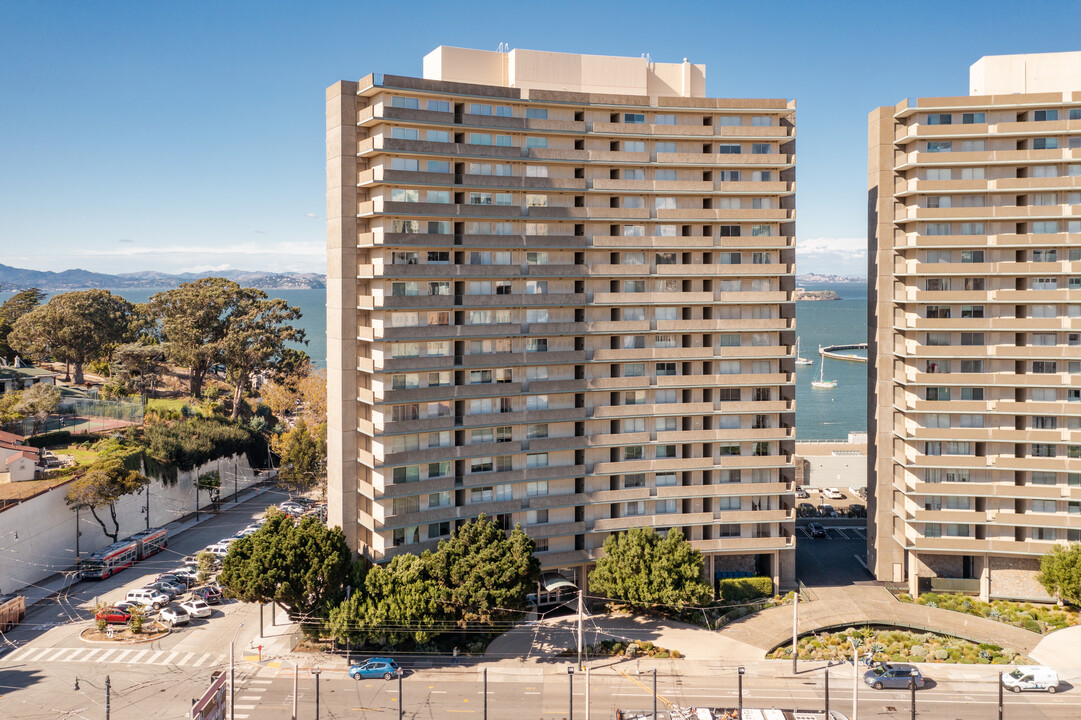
{"x":855,"y":678}
{"x":570,"y":693}
{"x":795,"y":623}
{"x":315,"y":672}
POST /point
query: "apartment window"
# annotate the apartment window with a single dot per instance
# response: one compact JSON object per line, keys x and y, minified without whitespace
{"x":972,"y":366}
{"x":939,"y":174}
{"x":972,"y":256}
{"x":666,"y":479}
{"x":634,"y":118}
{"x":761,"y":231}
{"x":400,"y":133}
{"x":536,"y":113}
{"x":403,"y":164}
{"x":409,"y":473}
{"x":938,"y":394}
{"x":536,"y":460}
{"x":1043,"y":115}
{"x":973,"y":118}
{"x":504,"y":111}
{"x":442,"y":136}
{"x":1045,"y":227}
{"x":537,"y":345}
{"x":973,"y":146}
{"x":934,"y":146}
{"x":664,"y":119}
{"x":728,"y":150}
{"x":939,"y":119}
{"x":633,"y":452}
{"x":938,"y":229}
{"x":536,"y":142}
{"x":972,"y":228}
{"x":1043,"y":171}
{"x":634,"y":370}
{"x":536,"y":171}
{"x":761,"y":121}
{"x":972,"y":173}
{"x":439,"y":105}
{"x":536,"y":430}
{"x":1044,"y":366}
{"x":970,"y":338}
{"x":480,"y":139}
{"x":663,"y":507}
{"x":1044,"y":506}
{"x":1045,"y":143}
{"x":634,"y":146}
{"x":665,"y":147}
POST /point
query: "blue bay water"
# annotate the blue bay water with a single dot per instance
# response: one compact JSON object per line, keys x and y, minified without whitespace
{"x":820,"y":414}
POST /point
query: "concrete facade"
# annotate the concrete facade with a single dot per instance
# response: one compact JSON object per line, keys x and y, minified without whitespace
{"x":974,"y":232}
{"x":559,"y":294}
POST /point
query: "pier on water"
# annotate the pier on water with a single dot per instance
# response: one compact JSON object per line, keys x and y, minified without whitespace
{"x":837,"y":352}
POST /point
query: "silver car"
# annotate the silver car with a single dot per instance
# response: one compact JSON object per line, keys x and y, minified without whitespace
{"x":893,"y":675}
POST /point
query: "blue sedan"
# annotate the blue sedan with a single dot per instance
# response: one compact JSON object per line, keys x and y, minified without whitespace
{"x":376,"y":667}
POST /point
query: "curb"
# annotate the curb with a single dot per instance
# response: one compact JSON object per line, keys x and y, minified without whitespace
{"x":155,"y":638}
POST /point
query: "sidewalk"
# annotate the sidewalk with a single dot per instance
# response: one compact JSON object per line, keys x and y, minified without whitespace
{"x":62,"y":581}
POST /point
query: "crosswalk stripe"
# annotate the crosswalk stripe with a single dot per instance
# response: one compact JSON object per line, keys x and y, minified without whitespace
{"x":122,"y":656}
{"x":244,"y":707}
{"x":263,"y":682}
{"x":55,"y":655}
{"x":20,"y":654}
{"x":169,"y":660}
{"x":137,"y":655}
{"x":186,"y":658}
{"x":80,"y":655}
{"x":106,"y":655}
{"x":150,"y":660}
{"x":202,"y":660}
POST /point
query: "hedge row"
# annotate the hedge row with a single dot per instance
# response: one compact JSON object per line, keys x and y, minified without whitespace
{"x":60,"y":437}
{"x":738,"y":589}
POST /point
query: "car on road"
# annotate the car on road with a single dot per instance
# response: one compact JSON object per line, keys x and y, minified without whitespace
{"x":833,"y":494}
{"x":826,"y":511}
{"x":210,"y":594}
{"x":375,"y":667}
{"x":1031,"y":677}
{"x":148,"y":596}
{"x":197,"y":608}
{"x":113,"y":616}
{"x":801,"y":493}
{"x":174,"y":615}
{"x":816,"y":530}
{"x":893,"y":675}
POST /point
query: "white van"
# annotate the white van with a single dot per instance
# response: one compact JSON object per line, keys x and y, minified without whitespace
{"x":1031,"y":677}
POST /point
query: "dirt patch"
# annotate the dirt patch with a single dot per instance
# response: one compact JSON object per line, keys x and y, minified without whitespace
{"x":123,"y":634}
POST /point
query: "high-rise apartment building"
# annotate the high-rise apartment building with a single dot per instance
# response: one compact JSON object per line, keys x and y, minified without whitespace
{"x":559,"y":294}
{"x":975,"y":315}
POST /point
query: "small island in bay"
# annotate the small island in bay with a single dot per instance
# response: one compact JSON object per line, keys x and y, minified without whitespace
{"x":801,"y":295}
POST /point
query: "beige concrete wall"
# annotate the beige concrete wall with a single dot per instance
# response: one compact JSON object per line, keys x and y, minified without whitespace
{"x":1015,"y":577}
{"x":568,"y":72}
{"x":1032,"y":73}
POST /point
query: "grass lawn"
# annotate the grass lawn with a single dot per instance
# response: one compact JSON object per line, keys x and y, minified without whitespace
{"x":166,"y":404}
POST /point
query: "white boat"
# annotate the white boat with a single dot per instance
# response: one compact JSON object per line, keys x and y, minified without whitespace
{"x":801,"y":360}
{"x":822,"y":382}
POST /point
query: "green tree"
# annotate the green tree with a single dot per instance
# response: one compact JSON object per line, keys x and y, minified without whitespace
{"x":255,"y":339}
{"x":303,"y":455}
{"x":192,"y":321}
{"x":642,"y":569}
{"x":401,"y":602}
{"x":305,"y":566}
{"x":139,"y":367}
{"x":14,"y":308}
{"x":486,"y":573}
{"x":74,"y":327}
{"x":1060,"y":573}
{"x":104,"y":483}
{"x":207,"y":564}
{"x":38,"y":401}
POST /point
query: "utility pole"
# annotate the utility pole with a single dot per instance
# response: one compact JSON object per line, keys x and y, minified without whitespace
{"x":232,"y":683}
{"x":855,"y":679}
{"x":655,"y":696}
{"x":296,"y":676}
{"x":315,"y":672}
{"x":485,"y":693}
{"x":401,"y":700}
{"x":912,"y":688}
{"x":78,"y":532}
{"x":1000,"y":697}
{"x":570,"y":693}
{"x":108,"y":688}
{"x":579,"y":628}
{"x":587,"y":694}
{"x":148,"y":506}
{"x":795,"y":623}
{"x":827,"y":708}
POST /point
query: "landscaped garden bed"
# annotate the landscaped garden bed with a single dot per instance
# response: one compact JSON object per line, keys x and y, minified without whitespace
{"x":1033,"y":617}
{"x":899,"y":646}
{"x":622,"y":648}
{"x":124,"y":634}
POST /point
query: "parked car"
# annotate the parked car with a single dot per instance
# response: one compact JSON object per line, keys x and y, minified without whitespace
{"x":186,"y":571}
{"x":210,"y":594}
{"x":833,"y":494}
{"x":806,"y":510}
{"x":197,"y":608}
{"x":176,"y":579}
{"x":128,"y":606}
{"x":816,"y":530}
{"x":375,"y":667}
{"x":801,"y":493}
{"x":218,"y":550}
{"x":1031,"y":677}
{"x":147,"y":596}
{"x":893,"y":675}
{"x":246,"y":532}
{"x":113,"y":616}
{"x":826,"y":511}
{"x":174,"y":615}
{"x":166,"y":588}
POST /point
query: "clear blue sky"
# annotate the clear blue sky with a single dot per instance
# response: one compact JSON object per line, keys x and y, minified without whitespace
{"x":190,"y":136}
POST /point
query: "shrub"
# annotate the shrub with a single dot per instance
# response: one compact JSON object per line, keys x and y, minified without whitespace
{"x":905,"y":597}
{"x":661,"y":654}
{"x":1031,"y":625}
{"x":918,"y":650}
{"x":676,"y":654}
{"x":739,"y":589}
{"x":942,"y":654}
{"x":898,"y":657}
{"x":989,"y":646}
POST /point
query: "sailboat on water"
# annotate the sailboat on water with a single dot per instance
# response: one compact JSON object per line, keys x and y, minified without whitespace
{"x":822,"y":382}
{"x":801,"y":360}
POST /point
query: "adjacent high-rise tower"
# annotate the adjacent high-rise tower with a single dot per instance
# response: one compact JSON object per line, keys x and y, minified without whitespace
{"x":975,"y":323}
{"x":559,"y":293}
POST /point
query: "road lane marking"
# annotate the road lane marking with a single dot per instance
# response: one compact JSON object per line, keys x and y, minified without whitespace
{"x":202,"y":660}
{"x":137,"y":656}
{"x":186,"y":659}
{"x":153,"y":658}
{"x":250,"y":697}
{"x":57,"y":654}
{"x":169,"y":660}
{"x":244,"y":707}
{"x":106,"y":655}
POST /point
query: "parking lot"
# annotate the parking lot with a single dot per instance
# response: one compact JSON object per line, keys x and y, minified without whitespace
{"x":839,"y":558}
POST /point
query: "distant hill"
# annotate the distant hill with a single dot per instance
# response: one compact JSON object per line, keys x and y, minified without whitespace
{"x":826,"y":278}
{"x":19,"y":279}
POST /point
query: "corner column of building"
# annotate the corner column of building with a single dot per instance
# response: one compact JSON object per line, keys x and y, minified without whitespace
{"x":985,"y":579}
{"x":913,"y":575}
{"x":342,"y":310}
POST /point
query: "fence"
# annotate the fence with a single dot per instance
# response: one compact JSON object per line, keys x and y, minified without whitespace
{"x":82,"y":415}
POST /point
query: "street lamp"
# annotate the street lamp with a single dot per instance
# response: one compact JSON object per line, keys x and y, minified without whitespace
{"x":315,"y":672}
{"x":912,"y":688}
{"x":741,"y":670}
{"x":570,"y":692}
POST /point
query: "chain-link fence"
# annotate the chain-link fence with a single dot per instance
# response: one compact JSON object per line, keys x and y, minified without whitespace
{"x":82,"y":415}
